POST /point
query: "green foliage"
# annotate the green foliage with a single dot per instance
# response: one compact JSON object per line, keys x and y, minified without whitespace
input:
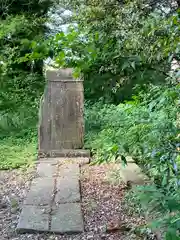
{"x":137,"y":127}
{"x":38,"y":7}
{"x":147,"y":129}
{"x":16,"y":152}
{"x":18,"y":119}
{"x":17,"y":34}
{"x":161,"y":209}
{"x":112,"y":66}
{"x":22,"y":27}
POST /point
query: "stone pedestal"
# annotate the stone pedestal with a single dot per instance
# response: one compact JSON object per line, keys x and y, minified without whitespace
{"x":61,"y":124}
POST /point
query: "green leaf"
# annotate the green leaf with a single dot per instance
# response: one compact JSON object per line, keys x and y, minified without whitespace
{"x":125,"y":65}
{"x":61,"y":56}
{"x":114,"y":148}
{"x":171,"y":234}
{"x":77,"y":73}
{"x":33,"y":44}
{"x":96,"y":36}
{"x":133,"y":65}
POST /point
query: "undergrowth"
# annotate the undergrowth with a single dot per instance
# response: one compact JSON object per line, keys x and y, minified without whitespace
{"x":16,"y":152}
{"x":19,"y":120}
{"x":18,"y":139}
{"x":146,"y":128}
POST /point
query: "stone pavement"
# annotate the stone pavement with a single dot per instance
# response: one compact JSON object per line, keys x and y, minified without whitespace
{"x":53,"y":203}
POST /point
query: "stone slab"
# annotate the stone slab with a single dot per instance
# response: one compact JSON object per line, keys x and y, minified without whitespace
{"x":41,"y":192}
{"x":68,"y":190}
{"x":78,"y":160}
{"x":53,"y":161}
{"x":65,"y":153}
{"x":33,"y":219}
{"x":133,"y":174}
{"x":60,"y":74}
{"x":67,"y":218}
{"x":46,"y":169}
{"x":68,"y":170}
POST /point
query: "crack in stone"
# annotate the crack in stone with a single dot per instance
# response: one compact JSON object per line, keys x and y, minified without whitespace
{"x":53,"y":197}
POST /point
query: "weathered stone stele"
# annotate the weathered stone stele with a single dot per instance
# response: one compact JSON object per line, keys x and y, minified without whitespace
{"x":61,"y":123}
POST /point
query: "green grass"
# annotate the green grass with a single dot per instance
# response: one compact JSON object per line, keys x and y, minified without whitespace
{"x":17,"y":152}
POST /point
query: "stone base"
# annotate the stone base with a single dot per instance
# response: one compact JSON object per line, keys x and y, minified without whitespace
{"x":61,"y":160}
{"x":65,"y":153}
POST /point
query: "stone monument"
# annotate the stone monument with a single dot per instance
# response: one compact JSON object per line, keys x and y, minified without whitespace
{"x":61,"y":121}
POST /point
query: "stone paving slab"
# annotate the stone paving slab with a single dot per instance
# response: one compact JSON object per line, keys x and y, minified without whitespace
{"x":33,"y":218}
{"x":68,"y":170}
{"x":68,"y":190}
{"x":46,"y":169}
{"x":67,"y":218}
{"x":41,"y":192}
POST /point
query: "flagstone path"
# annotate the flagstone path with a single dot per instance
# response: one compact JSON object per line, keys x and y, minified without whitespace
{"x":53,"y":203}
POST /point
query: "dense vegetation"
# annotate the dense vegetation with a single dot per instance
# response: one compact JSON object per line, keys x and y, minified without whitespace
{"x":21,"y":27}
{"x":124,"y":50}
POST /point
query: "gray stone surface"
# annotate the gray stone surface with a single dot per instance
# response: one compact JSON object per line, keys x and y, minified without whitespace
{"x":53,"y":201}
{"x":40,"y":192}
{"x":67,"y":218}
{"x":78,"y":160}
{"x":61,"y":121}
{"x":48,"y":160}
{"x":133,"y":174}
{"x":68,"y":170}
{"x":68,"y":190}
{"x":33,"y":219}
{"x":57,"y":160}
{"x":64,"y":153}
{"x":46,"y":169}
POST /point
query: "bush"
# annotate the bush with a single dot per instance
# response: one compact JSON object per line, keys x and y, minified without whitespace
{"x":19,"y":103}
{"x":141,"y":127}
{"x":147,"y":129}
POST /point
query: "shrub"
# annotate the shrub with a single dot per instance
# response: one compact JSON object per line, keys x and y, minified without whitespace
{"x":147,"y":129}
